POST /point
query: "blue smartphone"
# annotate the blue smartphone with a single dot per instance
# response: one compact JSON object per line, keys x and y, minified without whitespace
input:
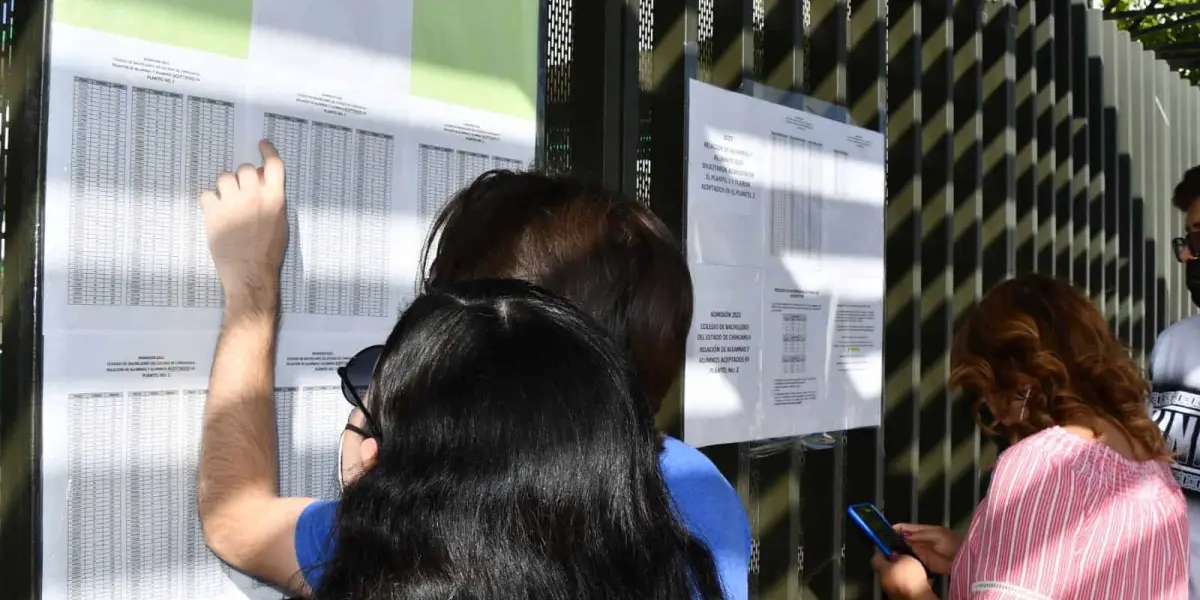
{"x":872,"y":522}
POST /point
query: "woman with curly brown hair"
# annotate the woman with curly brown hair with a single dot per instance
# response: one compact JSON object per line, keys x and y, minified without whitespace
{"x":1083,"y":505}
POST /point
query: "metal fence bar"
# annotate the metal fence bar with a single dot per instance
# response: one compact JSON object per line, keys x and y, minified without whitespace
{"x":23,"y":85}
{"x":1127,"y":143}
{"x":1179,"y":90}
{"x":1047,"y":163}
{"x":1028,"y":154}
{"x":937,"y":268}
{"x":1145,"y":290}
{"x":1081,"y":150}
{"x":904,"y":226}
{"x":1097,"y":162}
{"x":779,"y":528}
{"x":866,"y":89}
{"x":1155,"y":216}
{"x":958,"y":446}
{"x":1063,"y":140}
{"x":1112,"y":67}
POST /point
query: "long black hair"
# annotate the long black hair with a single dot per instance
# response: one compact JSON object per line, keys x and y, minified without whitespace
{"x":516,"y":459}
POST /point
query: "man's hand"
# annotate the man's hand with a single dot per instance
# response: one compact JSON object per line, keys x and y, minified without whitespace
{"x":246,"y":220}
{"x":244,"y":520}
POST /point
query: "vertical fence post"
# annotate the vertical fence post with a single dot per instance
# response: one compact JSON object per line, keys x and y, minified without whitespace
{"x":903,"y":306}
{"x":1126,"y":145}
{"x":1047,"y":163}
{"x":23,"y":83}
{"x":866,"y":89}
{"x":823,"y":518}
{"x":780,"y":532}
{"x":1063,"y":125}
{"x":1144,"y":291}
{"x":1027,"y":136}
{"x":959,"y":444}
{"x":1158,"y":308}
{"x":1003,"y":138}
{"x":602,"y":75}
{"x":1081,"y":150}
{"x":1097,"y":162}
{"x":730,"y":66}
{"x":1174,"y":172}
{"x":937,"y":268}
{"x":1114,"y":67}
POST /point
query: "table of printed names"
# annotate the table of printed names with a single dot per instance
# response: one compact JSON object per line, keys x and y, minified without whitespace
{"x":310,"y":423}
{"x":133,"y":529}
{"x":444,"y":171}
{"x":795,"y":344}
{"x":136,"y":230}
{"x":155,"y":198}
{"x":797,"y":188}
{"x":210,"y":151}
{"x":339,"y":190}
{"x":100,"y":118}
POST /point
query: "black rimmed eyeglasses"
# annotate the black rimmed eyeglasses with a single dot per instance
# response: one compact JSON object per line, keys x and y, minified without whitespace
{"x":1190,"y":241}
{"x":356,"y":379}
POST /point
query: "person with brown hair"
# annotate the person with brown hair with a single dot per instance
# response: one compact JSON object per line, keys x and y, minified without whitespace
{"x":609,"y":256}
{"x":1175,"y":369}
{"x":1083,"y":505}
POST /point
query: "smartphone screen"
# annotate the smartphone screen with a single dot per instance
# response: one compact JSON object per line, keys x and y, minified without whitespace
{"x":877,"y":527}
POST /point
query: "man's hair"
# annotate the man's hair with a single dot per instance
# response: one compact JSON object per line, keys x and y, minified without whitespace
{"x":515,"y":460}
{"x":609,"y":255}
{"x":1188,"y":190}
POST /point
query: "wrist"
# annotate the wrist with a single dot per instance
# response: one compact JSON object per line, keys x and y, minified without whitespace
{"x":253,"y":301}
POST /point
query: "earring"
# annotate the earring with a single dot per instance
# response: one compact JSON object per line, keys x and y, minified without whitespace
{"x":1024,"y":399}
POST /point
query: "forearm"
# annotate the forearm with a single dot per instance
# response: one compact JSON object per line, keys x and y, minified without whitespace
{"x":238,"y":452}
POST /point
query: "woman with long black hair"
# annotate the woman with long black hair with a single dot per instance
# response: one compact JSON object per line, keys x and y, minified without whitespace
{"x":508,"y":454}
{"x":509,"y":447}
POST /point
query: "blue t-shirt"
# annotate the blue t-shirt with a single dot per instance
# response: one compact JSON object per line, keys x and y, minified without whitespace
{"x":708,"y":505}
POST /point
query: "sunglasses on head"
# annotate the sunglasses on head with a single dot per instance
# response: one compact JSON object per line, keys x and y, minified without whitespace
{"x":1190,"y":240}
{"x":356,"y":379}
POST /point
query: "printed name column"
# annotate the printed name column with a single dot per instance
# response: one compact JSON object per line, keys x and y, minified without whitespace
{"x":209,"y":152}
{"x":372,"y":209}
{"x":328,"y":268}
{"x":434,"y":181}
{"x":156,"y":198}
{"x":290,"y":136}
{"x":99,"y":129}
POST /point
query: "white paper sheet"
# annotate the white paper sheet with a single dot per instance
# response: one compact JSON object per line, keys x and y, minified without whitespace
{"x":793,"y":202}
{"x":723,"y":372}
{"x":132,"y":143}
{"x":856,"y":353}
{"x":794,"y":357}
{"x":139,"y":123}
{"x":121,"y":449}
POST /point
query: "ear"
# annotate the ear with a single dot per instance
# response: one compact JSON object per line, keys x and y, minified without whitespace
{"x":367,"y":452}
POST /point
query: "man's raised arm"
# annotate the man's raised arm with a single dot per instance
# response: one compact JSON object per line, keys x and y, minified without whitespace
{"x":245,"y":521}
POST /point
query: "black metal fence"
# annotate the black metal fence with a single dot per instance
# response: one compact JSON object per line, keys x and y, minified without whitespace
{"x":1026,"y":136}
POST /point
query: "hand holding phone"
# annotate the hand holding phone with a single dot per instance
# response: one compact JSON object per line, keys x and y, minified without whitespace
{"x":881,"y":533}
{"x":936,"y":545}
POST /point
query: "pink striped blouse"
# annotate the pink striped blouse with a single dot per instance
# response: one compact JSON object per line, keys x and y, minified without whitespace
{"x":1068,"y":518}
